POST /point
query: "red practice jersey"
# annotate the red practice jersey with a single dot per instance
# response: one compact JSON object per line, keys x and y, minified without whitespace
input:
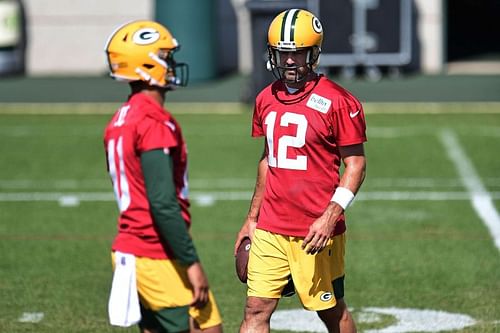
{"x":140,"y":125}
{"x":303,"y":132}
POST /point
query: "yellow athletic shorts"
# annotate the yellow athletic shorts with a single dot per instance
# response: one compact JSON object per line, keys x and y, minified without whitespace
{"x":163,"y":284}
{"x":274,"y":257}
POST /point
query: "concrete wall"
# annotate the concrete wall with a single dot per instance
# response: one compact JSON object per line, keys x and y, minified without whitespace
{"x":68,"y":37}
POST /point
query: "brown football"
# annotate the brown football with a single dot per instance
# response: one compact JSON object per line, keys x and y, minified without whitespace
{"x":241,"y":259}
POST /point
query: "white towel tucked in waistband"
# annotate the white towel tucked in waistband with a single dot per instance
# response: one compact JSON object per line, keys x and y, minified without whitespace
{"x":123,"y":306}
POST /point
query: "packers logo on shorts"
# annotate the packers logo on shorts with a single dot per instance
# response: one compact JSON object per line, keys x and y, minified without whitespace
{"x":325,"y":297}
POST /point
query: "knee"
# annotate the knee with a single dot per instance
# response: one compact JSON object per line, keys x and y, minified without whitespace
{"x":337,"y":313}
{"x":253,"y":312}
{"x":336,"y":316}
{"x":343,"y":312}
{"x":259,"y":309}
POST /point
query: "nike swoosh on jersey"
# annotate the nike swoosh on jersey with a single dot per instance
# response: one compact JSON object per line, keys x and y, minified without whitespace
{"x":353,"y":114}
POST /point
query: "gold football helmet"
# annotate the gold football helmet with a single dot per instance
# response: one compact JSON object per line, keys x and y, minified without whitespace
{"x":144,"y":51}
{"x":290,"y":31}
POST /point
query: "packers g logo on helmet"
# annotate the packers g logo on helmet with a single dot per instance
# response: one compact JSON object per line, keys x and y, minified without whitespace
{"x":144,"y":51}
{"x":293,"y":30}
{"x":146,"y":36}
{"x":317,"y":26}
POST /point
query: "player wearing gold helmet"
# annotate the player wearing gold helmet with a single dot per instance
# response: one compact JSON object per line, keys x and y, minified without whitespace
{"x":294,"y":32}
{"x":158,"y":280}
{"x":144,"y":51}
{"x":296,"y":218}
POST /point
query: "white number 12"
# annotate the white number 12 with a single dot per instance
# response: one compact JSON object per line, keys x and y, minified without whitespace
{"x":297,"y":141}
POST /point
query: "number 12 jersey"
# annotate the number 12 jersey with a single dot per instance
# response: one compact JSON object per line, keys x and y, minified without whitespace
{"x":303,"y":131}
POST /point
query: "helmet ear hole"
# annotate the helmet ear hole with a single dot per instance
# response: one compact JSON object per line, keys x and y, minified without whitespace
{"x":148,"y":66}
{"x":314,"y":54}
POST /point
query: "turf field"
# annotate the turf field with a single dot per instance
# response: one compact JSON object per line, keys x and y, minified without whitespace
{"x":421,"y":253}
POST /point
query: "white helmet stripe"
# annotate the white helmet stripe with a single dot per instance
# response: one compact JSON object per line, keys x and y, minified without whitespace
{"x":289,"y":19}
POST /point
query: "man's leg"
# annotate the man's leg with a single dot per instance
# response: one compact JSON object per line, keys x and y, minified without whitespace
{"x":338,"y":319}
{"x":258,"y":311}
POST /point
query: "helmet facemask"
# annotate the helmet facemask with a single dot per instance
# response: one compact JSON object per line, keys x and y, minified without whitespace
{"x":177,"y":72}
{"x":278,"y":68}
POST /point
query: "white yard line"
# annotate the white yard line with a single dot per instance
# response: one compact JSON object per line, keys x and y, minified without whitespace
{"x":109,"y":108}
{"x":239,"y":196}
{"x":480,"y":198}
{"x":240,"y":108}
{"x":221,"y":184}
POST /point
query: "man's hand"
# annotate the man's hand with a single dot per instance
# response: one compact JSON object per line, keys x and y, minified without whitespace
{"x":322,"y":229}
{"x":246,"y":230}
{"x":199,"y":283}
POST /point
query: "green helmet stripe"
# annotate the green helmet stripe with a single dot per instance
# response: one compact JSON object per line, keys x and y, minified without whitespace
{"x":288,"y":26}
{"x":283,"y":24}
{"x":292,"y":27}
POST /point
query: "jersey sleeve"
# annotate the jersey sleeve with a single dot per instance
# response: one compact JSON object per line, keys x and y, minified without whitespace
{"x":349,"y":126}
{"x":155,"y":134}
{"x":257,"y":128}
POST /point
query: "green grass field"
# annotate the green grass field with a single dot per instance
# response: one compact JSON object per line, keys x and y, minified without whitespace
{"x":415,"y":239}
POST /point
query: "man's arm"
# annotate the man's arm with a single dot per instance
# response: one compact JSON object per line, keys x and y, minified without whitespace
{"x":250,"y":223}
{"x":354,"y":173}
{"x":160,"y":188}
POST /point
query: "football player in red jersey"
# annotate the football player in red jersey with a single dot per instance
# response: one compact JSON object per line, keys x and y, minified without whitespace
{"x":296,"y":218}
{"x":158,"y":280}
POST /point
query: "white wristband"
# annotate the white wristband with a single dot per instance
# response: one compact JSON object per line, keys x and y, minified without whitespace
{"x":343,"y":196}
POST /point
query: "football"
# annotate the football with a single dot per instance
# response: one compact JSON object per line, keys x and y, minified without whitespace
{"x":241,"y":259}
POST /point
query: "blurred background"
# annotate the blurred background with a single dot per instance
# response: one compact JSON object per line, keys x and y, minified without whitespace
{"x":368,"y":40}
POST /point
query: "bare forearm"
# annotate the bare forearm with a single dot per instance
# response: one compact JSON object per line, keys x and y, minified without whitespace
{"x":354,"y":174}
{"x":258,"y":193}
{"x":250,"y":223}
{"x":350,"y":181}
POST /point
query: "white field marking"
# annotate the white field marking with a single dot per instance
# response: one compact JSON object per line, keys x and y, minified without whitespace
{"x":208,"y":198}
{"x":57,"y":184}
{"x":56,"y":196}
{"x":25,"y":131}
{"x":407,"y":320}
{"x":396,"y":132}
{"x":31,"y":317}
{"x":227,"y":183}
{"x":413,"y":131}
{"x":480,"y":198}
{"x":416,"y":196}
{"x":69,"y":201}
{"x":110,"y":108}
{"x":424,"y":182}
{"x":239,"y":108}
{"x":416,"y":320}
{"x":432,"y":107}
